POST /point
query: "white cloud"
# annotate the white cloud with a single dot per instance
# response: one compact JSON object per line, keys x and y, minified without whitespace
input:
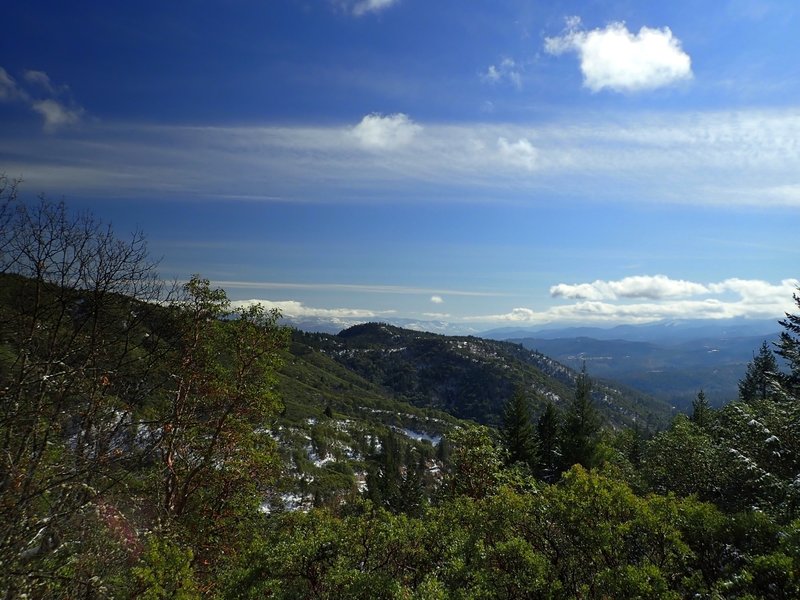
{"x":619,"y":60}
{"x":385,"y":132}
{"x":520,"y":153}
{"x":42,"y":80}
{"x":363,"y":7}
{"x":436,"y":315}
{"x":724,"y":159}
{"x":437,"y":299}
{"x":609,"y":302}
{"x":640,"y":286}
{"x":294,"y":309}
{"x":517,"y":315}
{"x":55,"y":114}
{"x":507,"y":69}
{"x":8,"y":87}
{"x":350,"y":287}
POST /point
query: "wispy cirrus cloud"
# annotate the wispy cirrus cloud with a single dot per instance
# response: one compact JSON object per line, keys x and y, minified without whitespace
{"x":616,"y":59}
{"x":351,"y":287}
{"x":724,"y":158}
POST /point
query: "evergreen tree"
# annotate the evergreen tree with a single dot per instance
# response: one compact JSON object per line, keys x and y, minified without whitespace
{"x":383,"y":481}
{"x":548,"y":427}
{"x":789,"y":350}
{"x":411,"y":492}
{"x":701,"y":410}
{"x":581,"y":428}
{"x":518,"y":434}
{"x":760,"y":376}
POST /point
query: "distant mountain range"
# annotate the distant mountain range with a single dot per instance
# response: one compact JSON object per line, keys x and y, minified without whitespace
{"x":671,"y":361}
{"x":668,"y":360}
{"x":660,"y":332}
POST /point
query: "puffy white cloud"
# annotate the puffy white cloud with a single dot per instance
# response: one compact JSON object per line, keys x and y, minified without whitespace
{"x":748,"y":298}
{"x":639,"y":286}
{"x":520,"y":153}
{"x":55,"y":114}
{"x":384,"y":132}
{"x":756,"y":291}
{"x":437,"y":299}
{"x":620,"y":60}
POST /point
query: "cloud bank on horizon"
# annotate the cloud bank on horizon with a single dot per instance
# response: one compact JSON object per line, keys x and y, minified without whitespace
{"x":602,"y":302}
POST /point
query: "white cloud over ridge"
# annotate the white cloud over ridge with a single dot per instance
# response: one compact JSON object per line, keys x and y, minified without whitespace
{"x":616,"y":301}
{"x":385,"y":132}
{"x":295,"y":309}
{"x":655,"y":287}
{"x":617,"y":59}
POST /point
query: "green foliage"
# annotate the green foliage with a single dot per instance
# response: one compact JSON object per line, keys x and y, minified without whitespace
{"x":685,"y":460}
{"x":476,"y":463}
{"x":164,"y":571}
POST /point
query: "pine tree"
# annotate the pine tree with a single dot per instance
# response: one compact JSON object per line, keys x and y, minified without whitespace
{"x":384,"y":479}
{"x":760,"y":376}
{"x":548,"y":427}
{"x":701,"y":410}
{"x":518,"y":434}
{"x":789,"y":350}
{"x":581,"y":426}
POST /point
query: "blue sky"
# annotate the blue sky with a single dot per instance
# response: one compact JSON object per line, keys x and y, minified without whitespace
{"x":486,"y":164}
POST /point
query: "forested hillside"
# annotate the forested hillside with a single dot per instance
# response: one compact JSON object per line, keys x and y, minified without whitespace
{"x":472,"y":378}
{"x":156,"y":443}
